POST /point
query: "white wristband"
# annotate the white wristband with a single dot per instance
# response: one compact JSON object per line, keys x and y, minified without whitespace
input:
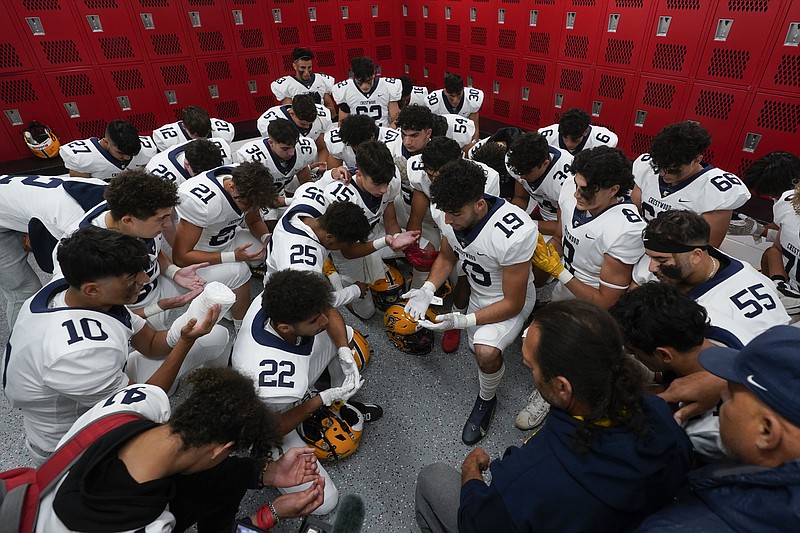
{"x":472,"y":320}
{"x":772,"y":234}
{"x":152,"y":309}
{"x":265,"y":237}
{"x":227,"y":257}
{"x":287,"y":200}
{"x":380,"y":243}
{"x":565,"y":276}
{"x":428,"y":286}
{"x":171,"y":270}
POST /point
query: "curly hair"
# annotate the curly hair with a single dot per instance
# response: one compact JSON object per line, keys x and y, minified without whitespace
{"x":363,"y":68}
{"x":93,"y":253}
{"x":375,"y":160}
{"x":773,"y":174}
{"x":254,"y":182}
{"x":459,"y":183}
{"x":573,"y":123}
{"x":528,"y":151}
{"x":304,"y":107}
{"x":440,"y":126}
{"x":603,"y":167}
{"x":678,"y":144}
{"x":581,"y":342}
{"x":415,"y":117}
{"x":282,"y":131}
{"x":346,"y":221}
{"x":660,"y":314}
{"x":493,"y":155}
{"x":678,"y":226}
{"x":223,"y":407}
{"x":293,"y":296}
{"x":139,"y":194}
{"x":196,"y":121}
{"x":439,"y":151}
{"x":124,"y":135}
{"x":356,"y":129}
{"x":202,"y":155}
{"x":453,"y":84}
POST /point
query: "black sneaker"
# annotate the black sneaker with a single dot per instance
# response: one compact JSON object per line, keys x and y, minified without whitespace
{"x":370,"y":411}
{"x":478,"y":422}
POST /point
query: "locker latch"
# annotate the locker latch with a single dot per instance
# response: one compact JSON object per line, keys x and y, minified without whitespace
{"x":641,"y":116}
{"x":124,"y":103}
{"x":378,"y":70}
{"x":663,"y":26}
{"x":526,"y":93}
{"x":424,"y":72}
{"x":425,"y":12}
{"x":374,"y":12}
{"x":793,"y":35}
{"x":596,"y":108}
{"x":35,"y":24}
{"x":406,"y":68}
{"x":194,"y":16}
{"x":213,"y":91}
{"x":571,"y":15}
{"x":448,"y":12}
{"x":405,"y":10}
{"x":613,"y":22}
{"x":253,"y":86}
{"x":172,"y":98}
{"x":723,"y":29}
{"x":276,"y":16}
{"x":534,"y":19}
{"x":501,"y":16}
{"x":345,"y":12}
{"x":72,"y":109}
{"x":496,"y":87}
{"x":470,"y":80}
{"x":14,"y":117}
{"x":473,"y":14}
{"x":312,"y":14}
{"x":751,"y":141}
{"x":559,"y":100}
{"x":238,"y":19}
{"x":147,"y":21}
{"x":94,"y":23}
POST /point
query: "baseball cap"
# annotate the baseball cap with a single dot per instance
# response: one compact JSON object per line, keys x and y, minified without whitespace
{"x":769,"y":367}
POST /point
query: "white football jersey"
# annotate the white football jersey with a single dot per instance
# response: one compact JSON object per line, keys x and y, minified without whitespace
{"x":293,"y":244}
{"x":421,"y":182}
{"x":169,"y":165}
{"x":711,"y":189}
{"x":89,"y":157}
{"x":419,"y":96}
{"x":375,"y":103}
{"x":289,"y":86}
{"x":617,"y":231}
{"x":281,"y":171}
{"x":471,"y":102}
{"x":703,"y":431}
{"x":741,"y":302}
{"x":60,"y":361}
{"x":460,"y":129}
{"x":597,"y":136}
{"x":146,"y":153}
{"x":205,"y":203}
{"x":505,"y":236}
{"x":788,"y":220}
{"x":345,"y":153}
{"x":320,"y":125}
{"x":373,"y":206}
{"x":174,"y":133}
{"x":546,"y":191}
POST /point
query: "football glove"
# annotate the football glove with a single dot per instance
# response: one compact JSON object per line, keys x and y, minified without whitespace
{"x":546,"y":258}
{"x":420,"y":257}
{"x":450,"y":321}
{"x":419,"y":300}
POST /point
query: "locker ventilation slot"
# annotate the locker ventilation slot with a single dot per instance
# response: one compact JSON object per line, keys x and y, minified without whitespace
{"x":641,"y":143}
{"x":8,"y":57}
{"x":539,"y":43}
{"x":75,"y":85}
{"x":218,"y":70}
{"x":669,"y":57}
{"x":383,"y":28}
{"x":611,"y":87}
{"x":531,"y":115}
{"x":478,"y":36}
{"x":326,"y":58}
{"x":42,"y":5}
{"x":143,"y":122}
{"x":576,"y":46}
{"x":729,"y":63}
{"x":780,"y":116}
{"x":453,"y":33}
{"x":63,"y":51}
{"x":166,"y":44}
{"x":128,"y":79}
{"x":17,"y":90}
{"x":353,"y":31}
{"x":714,"y":104}
{"x":571,"y":80}
{"x":256,"y":66}
{"x":692,"y":5}
{"x":251,"y":38}
{"x":619,"y":51}
{"x":211,"y":41}
{"x":749,"y":6}
{"x":175,"y":75}
{"x":659,"y":95}
{"x":477,"y":63}
{"x":288,"y":35}
{"x":383,"y":52}
{"x":452,"y":60}
{"x":536,"y":73}
{"x":229,"y":109}
{"x":322,"y":33}
{"x":116,"y":47}
{"x":410,"y":28}
{"x":788,"y":71}
{"x":91,"y":128}
{"x":504,"y":68}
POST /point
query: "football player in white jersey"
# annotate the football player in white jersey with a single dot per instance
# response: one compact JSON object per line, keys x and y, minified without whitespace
{"x":195,"y":123}
{"x":40,"y":207}
{"x":311,"y":120}
{"x":540,"y":171}
{"x":374,"y":187}
{"x":666,"y":331}
{"x":342,"y":142}
{"x":365,"y":94}
{"x":69,"y":346}
{"x":457,"y":100}
{"x":574,"y":132}
{"x":185,"y":160}
{"x":737,"y":297}
{"x":103,"y":158}
{"x":674,"y":176}
{"x":304,"y":81}
{"x":412,"y":94}
{"x":493,"y":240}
{"x":291,"y":334}
{"x":212,"y":208}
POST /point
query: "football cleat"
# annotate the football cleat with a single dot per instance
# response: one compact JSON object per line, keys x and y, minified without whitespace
{"x":405,"y":333}
{"x":478,"y":422}
{"x":370,"y":411}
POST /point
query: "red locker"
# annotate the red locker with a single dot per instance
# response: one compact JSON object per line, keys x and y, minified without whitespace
{"x":731,"y":54}
{"x":718,"y":109}
{"x":611,"y":99}
{"x":208,"y":24}
{"x":12,"y":146}
{"x":481,"y":20}
{"x":109,"y":29}
{"x":131,"y":93}
{"x":502,"y":97}
{"x":288,"y":22}
{"x":773,"y":123}
{"x":178,"y":86}
{"x":434,"y":18}
{"x":14,"y":50}
{"x":479,"y":74}
{"x":329,"y":61}
{"x":571,"y":89}
{"x":352,"y":51}
{"x":536,"y":92}
{"x":250,"y":24}
{"x":507,"y":27}
{"x":83,"y":100}
{"x":388,"y":58}
{"x":222,"y":84}
{"x":434,"y":67}
{"x":161,"y":28}
{"x":674,"y":36}
{"x":658,"y":102}
{"x":410,"y":20}
{"x":257,"y":73}
{"x":49,"y":29}
{"x":354,"y":22}
{"x":412,"y":62}
{"x":580,"y":35}
{"x":384,"y":20}
{"x":542,"y":25}
{"x":782,"y":70}
{"x":322,"y":20}
{"x":26,"y":97}
{"x":623,"y":36}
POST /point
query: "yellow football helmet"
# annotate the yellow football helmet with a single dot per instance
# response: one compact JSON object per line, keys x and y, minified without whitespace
{"x":362,"y":349}
{"x":328,"y":267}
{"x":41,"y":140}
{"x":405,"y":333}
{"x":387,"y":291}
{"x":333,"y":432}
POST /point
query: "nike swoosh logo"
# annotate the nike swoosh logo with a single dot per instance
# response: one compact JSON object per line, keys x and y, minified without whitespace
{"x":753,"y":382}
{"x":682,"y":201}
{"x":590,"y":237}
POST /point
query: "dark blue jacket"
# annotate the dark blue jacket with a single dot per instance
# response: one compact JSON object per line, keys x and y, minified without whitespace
{"x":546,"y":486}
{"x":735,"y":498}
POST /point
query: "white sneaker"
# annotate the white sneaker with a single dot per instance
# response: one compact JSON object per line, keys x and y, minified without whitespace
{"x":534,"y":413}
{"x":789,"y":297}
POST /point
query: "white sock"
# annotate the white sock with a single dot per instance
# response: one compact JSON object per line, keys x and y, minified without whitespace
{"x":489,"y":383}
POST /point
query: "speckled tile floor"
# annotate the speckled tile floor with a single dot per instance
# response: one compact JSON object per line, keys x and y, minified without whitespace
{"x":426,"y":401}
